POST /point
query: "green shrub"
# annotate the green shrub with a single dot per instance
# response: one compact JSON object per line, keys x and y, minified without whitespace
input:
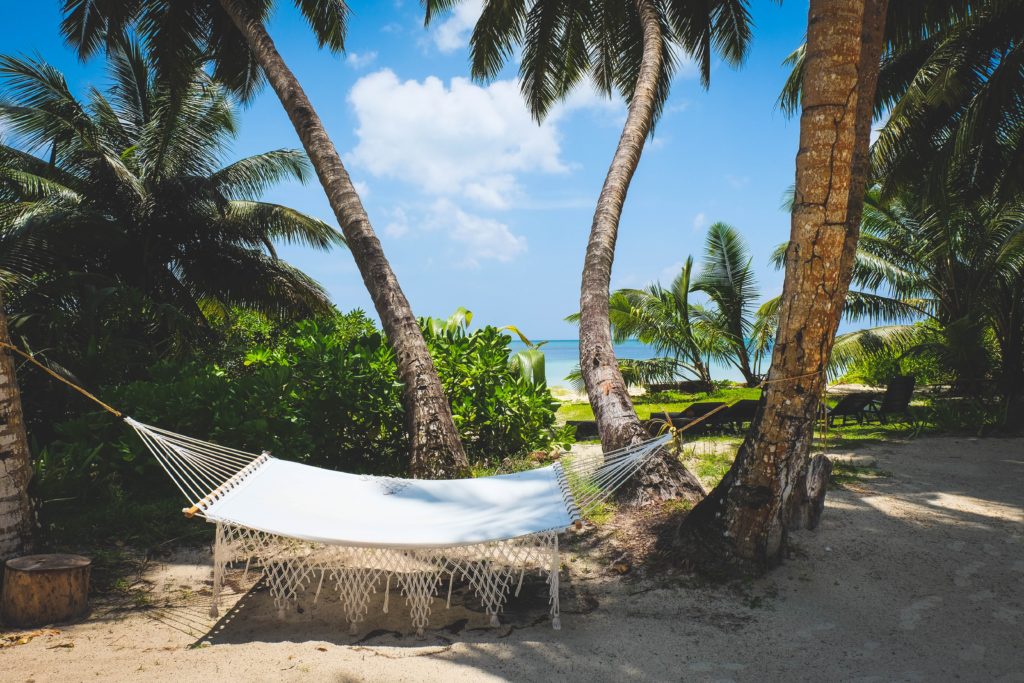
{"x":879,"y":368}
{"x":324,"y":392}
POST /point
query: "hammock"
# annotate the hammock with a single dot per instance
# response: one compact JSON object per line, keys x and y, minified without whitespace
{"x":302,"y":524}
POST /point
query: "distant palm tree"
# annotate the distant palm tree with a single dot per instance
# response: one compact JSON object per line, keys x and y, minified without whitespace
{"x":628,"y":47}
{"x":131,"y":194}
{"x":230,"y":37}
{"x":727,"y":277}
{"x":957,"y":264}
{"x":665,"y":319}
{"x":668,"y":320}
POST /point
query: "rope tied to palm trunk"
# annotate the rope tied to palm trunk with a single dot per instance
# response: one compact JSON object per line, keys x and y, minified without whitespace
{"x":61,"y":378}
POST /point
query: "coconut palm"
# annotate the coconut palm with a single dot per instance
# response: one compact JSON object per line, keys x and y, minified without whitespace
{"x":625,"y":47}
{"x":952,"y":88}
{"x":743,"y":523}
{"x":131,"y":194}
{"x":128,"y":194}
{"x":949,"y":84}
{"x":954,"y":263}
{"x":665,"y":319}
{"x":230,"y":37}
{"x":15,"y":467}
{"x":727,"y":277}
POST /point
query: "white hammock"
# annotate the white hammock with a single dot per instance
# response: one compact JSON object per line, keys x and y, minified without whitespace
{"x":302,"y":524}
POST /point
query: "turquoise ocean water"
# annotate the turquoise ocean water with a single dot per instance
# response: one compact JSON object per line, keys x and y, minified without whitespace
{"x":561,"y":356}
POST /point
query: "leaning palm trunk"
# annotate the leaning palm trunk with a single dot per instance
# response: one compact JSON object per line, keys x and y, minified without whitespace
{"x":435,"y":445}
{"x":15,"y":469}
{"x":617,"y":421}
{"x":742,"y":524}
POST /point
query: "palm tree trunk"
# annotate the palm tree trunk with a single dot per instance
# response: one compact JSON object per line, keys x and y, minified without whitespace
{"x":15,"y":468}
{"x":751,"y":379}
{"x":741,"y":526}
{"x":617,"y":421}
{"x":435,"y":445}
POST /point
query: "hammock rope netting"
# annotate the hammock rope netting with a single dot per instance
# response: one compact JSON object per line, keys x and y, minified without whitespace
{"x":309,"y":528}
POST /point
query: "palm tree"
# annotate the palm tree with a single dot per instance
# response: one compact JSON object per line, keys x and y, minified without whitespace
{"x":955,"y":262}
{"x":230,"y":36}
{"x":727,"y":277}
{"x":628,"y":47}
{"x":666,"y":319}
{"x":15,"y":468}
{"x":742,"y":525}
{"x":949,"y":85}
{"x":131,"y":197}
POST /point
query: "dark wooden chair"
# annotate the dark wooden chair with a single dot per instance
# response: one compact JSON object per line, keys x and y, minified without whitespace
{"x":739,"y":413}
{"x":695,"y":411}
{"x":585,"y":429}
{"x":895,"y":401}
{"x":851,"y":405}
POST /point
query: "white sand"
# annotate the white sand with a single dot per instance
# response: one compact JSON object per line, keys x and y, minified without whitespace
{"x":917,"y":577}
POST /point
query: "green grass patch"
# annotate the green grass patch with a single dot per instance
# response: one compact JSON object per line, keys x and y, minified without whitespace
{"x":601,"y":513}
{"x":662,"y":402}
{"x":854,"y":436}
{"x":711,"y":458}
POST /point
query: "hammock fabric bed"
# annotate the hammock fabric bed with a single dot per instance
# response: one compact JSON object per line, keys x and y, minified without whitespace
{"x":303,"y":525}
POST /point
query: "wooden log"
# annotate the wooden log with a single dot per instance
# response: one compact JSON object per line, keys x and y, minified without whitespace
{"x":45,"y":589}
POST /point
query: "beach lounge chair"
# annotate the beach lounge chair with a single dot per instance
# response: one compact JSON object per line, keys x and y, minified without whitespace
{"x":895,"y":401}
{"x":739,"y":413}
{"x":851,"y":405}
{"x":585,"y":429}
{"x":697,"y":410}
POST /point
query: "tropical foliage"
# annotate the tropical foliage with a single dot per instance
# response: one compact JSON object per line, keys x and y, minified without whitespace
{"x":955,"y":263}
{"x":941,"y":235}
{"x":565,"y":43}
{"x":323,"y":391}
{"x":123,"y":234}
{"x":688,"y":336}
{"x":728,"y":280}
{"x":229,"y":39}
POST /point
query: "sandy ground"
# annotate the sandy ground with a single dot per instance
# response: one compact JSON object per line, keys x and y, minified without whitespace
{"x":916,"y":577}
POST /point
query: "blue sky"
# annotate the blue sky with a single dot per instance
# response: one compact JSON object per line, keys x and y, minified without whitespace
{"x":476,"y":205}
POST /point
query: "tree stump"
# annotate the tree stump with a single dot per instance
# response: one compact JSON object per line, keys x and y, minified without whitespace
{"x":45,"y":589}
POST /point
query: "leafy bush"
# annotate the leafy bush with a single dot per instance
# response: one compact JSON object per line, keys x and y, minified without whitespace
{"x":499,"y":412}
{"x":959,"y":416}
{"x":879,"y":368}
{"x":323,"y":391}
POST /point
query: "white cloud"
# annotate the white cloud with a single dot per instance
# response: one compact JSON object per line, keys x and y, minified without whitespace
{"x":361,"y":60}
{"x":699,"y":221}
{"x":398,"y":225}
{"x":456,"y":140}
{"x":670,"y":273}
{"x":479,"y":238}
{"x":453,"y":33}
{"x":474,"y":238}
{"x":362,"y":188}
